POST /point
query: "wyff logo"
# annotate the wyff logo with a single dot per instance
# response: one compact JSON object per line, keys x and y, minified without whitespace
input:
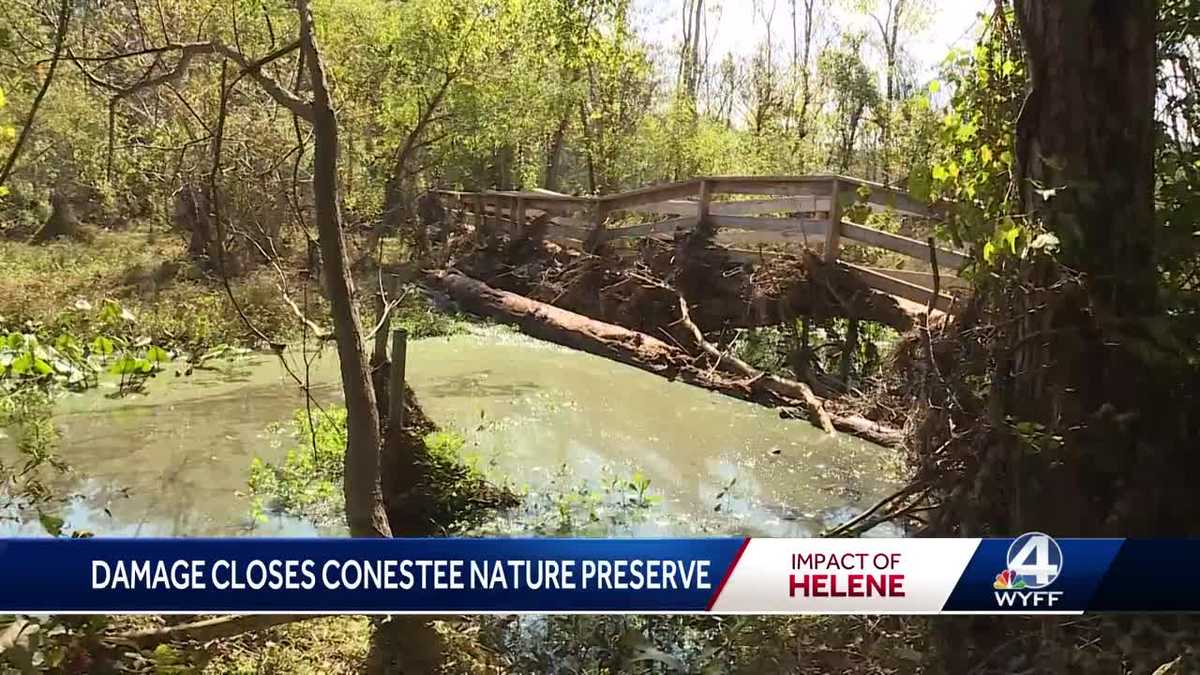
{"x":1034,"y":562}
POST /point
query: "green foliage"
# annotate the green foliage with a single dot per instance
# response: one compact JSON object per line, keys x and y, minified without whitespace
{"x":1177,"y":163}
{"x":565,"y":505}
{"x":63,"y":288}
{"x":416,"y":315}
{"x":772,"y":349}
{"x":470,"y":93}
{"x":25,"y":483}
{"x":973,"y":164}
{"x":29,"y":358}
{"x":307,"y":483}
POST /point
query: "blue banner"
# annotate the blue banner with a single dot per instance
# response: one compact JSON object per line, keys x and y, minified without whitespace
{"x":361,"y":575}
{"x":1070,"y":570}
{"x":1033,"y":573}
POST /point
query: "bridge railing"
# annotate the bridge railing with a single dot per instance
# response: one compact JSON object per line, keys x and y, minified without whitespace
{"x":785,"y":210}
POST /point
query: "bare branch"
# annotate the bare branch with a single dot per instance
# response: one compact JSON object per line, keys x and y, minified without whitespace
{"x":188,"y":51}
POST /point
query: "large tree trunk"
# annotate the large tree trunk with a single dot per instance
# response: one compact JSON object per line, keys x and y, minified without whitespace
{"x":727,"y":374}
{"x":365,"y":512}
{"x":1087,"y":131}
{"x":1073,"y":367}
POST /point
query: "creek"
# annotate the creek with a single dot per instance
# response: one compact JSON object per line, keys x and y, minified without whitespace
{"x":174,"y":462}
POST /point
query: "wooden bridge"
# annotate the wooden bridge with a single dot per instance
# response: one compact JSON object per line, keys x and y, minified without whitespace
{"x":754,"y":218}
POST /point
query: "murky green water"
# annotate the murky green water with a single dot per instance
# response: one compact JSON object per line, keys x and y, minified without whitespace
{"x":174,"y":462}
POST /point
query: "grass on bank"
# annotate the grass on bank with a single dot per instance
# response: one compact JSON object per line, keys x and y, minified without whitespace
{"x":176,"y":303}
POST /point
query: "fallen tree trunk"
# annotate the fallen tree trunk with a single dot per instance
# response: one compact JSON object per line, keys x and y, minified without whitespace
{"x":577,"y":331}
{"x":856,"y":425}
{"x":564,"y":327}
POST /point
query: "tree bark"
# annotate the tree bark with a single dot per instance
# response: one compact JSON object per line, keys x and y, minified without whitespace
{"x":365,"y":512}
{"x":1087,"y":132}
{"x":554,"y":155}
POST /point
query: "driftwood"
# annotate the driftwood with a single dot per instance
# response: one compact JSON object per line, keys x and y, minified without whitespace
{"x":856,"y":425}
{"x":771,"y":383}
{"x":731,"y":376}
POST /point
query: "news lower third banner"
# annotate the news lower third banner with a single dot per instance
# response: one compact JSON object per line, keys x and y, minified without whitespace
{"x":1034,"y":573}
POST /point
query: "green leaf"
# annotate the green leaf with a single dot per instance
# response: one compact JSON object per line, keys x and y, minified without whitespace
{"x":985,"y":154}
{"x":1010,"y":236}
{"x":935,"y":87}
{"x":22,"y":364}
{"x":989,"y":252}
{"x":156,"y":354}
{"x":939,"y":172}
{"x":128,"y":365}
{"x":102,"y":345}
{"x":52,"y":524}
{"x":110,"y":311}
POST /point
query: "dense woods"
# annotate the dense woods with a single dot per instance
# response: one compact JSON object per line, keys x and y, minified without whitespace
{"x":469,"y":94}
{"x":293,"y":155}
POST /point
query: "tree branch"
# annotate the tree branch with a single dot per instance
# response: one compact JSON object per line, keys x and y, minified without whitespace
{"x":60,"y":37}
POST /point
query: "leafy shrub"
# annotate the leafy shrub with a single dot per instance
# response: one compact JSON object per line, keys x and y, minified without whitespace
{"x":308,"y":482}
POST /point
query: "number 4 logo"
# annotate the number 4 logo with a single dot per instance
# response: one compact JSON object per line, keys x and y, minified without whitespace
{"x":1036,"y":558}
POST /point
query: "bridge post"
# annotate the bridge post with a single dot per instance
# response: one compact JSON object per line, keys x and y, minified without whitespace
{"x":599,"y":217}
{"x":480,"y":210}
{"x":833,"y":235}
{"x":518,"y":217}
{"x":396,"y":378}
{"x":702,"y":211}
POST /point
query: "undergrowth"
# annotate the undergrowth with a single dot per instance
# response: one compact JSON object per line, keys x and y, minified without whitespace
{"x":176,"y":302}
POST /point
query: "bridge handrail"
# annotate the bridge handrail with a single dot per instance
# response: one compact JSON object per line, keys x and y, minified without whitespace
{"x":589,"y":215}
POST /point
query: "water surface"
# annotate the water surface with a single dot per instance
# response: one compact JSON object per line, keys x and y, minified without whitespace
{"x":175,"y":462}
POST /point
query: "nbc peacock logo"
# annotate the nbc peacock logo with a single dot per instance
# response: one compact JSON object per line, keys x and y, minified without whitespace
{"x":1034,"y":561}
{"x":1008,"y":580}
